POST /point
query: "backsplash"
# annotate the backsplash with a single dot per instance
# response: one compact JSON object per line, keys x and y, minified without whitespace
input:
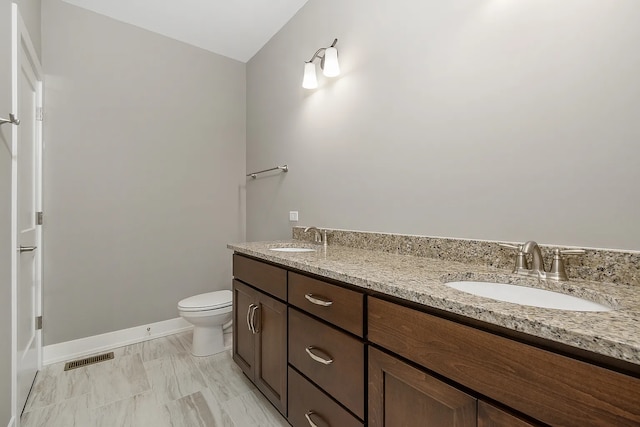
{"x":601,"y":265}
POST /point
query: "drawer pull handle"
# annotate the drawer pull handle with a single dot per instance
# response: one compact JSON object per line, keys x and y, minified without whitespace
{"x":308,"y":417}
{"x":318,"y":300}
{"x":327,"y":361}
{"x":249,"y":323}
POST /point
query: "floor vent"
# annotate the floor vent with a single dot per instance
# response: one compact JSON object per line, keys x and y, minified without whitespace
{"x":88,"y":361}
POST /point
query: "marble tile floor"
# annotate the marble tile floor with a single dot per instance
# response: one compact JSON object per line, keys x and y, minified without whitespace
{"x":155,"y":383}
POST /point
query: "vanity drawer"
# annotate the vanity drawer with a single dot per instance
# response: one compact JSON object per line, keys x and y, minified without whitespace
{"x":266,"y":277}
{"x":552,"y":388}
{"x":305,"y":398}
{"x":335,"y":304}
{"x":311,"y":341}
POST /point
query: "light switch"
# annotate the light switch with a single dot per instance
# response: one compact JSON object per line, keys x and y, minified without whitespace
{"x":293,"y":215}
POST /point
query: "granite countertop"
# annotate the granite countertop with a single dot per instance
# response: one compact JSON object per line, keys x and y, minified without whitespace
{"x":421,"y":280}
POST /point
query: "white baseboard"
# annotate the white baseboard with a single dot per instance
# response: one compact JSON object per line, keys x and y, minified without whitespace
{"x":65,"y":351}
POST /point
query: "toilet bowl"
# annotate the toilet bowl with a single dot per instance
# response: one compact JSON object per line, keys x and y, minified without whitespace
{"x":207,"y":313}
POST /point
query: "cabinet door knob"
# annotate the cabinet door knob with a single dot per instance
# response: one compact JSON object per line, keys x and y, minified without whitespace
{"x":327,"y":361}
{"x":27,"y":248}
{"x":318,"y":300}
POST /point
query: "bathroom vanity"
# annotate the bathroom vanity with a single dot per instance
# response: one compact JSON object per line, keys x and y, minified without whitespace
{"x":349,"y":337}
{"x":260,"y":334}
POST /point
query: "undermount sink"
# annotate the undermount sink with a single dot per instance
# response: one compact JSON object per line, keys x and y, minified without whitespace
{"x":292,"y":249}
{"x":528,"y":296}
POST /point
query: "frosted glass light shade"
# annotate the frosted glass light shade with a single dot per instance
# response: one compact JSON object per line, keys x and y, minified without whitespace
{"x":331,"y":66}
{"x":310,"y":81}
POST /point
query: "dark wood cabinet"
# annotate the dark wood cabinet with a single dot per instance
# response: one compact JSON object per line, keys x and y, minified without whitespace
{"x":490,"y":416}
{"x":546,"y":386}
{"x":260,"y":341}
{"x":267,"y":278}
{"x":334,"y":304}
{"x":244,"y":353}
{"x":306,"y":342}
{"x":330,"y":358}
{"x":308,"y":404}
{"x":403,"y":396}
{"x":327,"y":373}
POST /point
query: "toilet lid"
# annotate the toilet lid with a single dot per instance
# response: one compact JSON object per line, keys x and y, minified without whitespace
{"x":208,"y":301}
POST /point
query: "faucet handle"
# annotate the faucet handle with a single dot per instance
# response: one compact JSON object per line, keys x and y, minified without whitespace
{"x":557,"y":265}
{"x":521,"y":259}
{"x":570,"y":251}
{"x":510,"y":246}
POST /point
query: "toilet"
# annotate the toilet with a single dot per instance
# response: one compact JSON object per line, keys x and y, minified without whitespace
{"x":207,"y":313}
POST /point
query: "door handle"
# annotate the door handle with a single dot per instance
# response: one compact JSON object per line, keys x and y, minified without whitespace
{"x":12,"y":119}
{"x":27,"y":248}
{"x":253,"y":318}
{"x":249,"y":324}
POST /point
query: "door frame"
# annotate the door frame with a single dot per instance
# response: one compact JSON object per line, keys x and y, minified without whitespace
{"x":20,"y":37}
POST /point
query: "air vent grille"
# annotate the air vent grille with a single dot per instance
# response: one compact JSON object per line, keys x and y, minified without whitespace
{"x":88,"y":361}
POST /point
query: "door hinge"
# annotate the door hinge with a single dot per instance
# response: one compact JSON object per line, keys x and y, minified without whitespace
{"x":39,"y":114}
{"x":39,"y":216}
{"x":38,"y":323}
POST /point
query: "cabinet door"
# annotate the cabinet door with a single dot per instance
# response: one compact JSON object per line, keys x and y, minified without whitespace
{"x":271,"y":351}
{"x":243,"y":337}
{"x":401,"y":395}
{"x":552,"y":388}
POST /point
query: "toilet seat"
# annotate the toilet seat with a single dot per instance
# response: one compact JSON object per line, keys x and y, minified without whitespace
{"x":208,"y":301}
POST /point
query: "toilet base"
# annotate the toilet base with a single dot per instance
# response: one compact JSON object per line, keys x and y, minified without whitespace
{"x":207,"y":340}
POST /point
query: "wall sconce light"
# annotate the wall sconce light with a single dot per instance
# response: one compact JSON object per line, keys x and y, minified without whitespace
{"x":328,"y":62}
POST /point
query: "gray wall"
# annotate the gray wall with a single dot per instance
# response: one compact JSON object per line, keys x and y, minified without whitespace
{"x":30,"y":12}
{"x":144,"y":163}
{"x":476,"y":119}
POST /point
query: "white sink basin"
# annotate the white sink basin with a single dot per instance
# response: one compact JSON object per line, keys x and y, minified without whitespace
{"x":528,"y":296}
{"x":292,"y":249}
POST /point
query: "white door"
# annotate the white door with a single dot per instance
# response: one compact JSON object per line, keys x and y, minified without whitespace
{"x":6,"y":248}
{"x":27,"y":97}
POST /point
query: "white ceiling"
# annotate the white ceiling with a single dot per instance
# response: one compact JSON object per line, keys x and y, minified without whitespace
{"x":234,"y":28}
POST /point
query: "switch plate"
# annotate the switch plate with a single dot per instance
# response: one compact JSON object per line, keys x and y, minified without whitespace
{"x":293,"y":215}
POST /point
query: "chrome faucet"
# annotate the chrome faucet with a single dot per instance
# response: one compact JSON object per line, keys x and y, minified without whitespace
{"x":320,"y":236}
{"x":557,"y":271}
{"x":537,"y":263}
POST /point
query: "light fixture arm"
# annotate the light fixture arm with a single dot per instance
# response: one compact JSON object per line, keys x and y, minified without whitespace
{"x":322,"y":50}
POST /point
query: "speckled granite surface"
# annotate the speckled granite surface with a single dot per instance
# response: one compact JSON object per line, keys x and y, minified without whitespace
{"x":602,"y":265}
{"x":421,"y":280}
